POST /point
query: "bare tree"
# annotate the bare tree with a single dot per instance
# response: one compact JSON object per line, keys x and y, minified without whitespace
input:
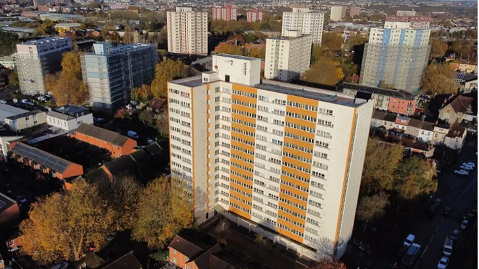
{"x":371,"y":207}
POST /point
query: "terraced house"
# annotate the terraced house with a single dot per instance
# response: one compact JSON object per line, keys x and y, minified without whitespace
{"x":280,"y":159}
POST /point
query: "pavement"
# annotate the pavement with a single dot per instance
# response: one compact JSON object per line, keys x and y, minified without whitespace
{"x":458,"y":192}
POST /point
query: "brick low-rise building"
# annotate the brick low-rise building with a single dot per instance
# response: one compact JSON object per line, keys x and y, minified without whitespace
{"x":397,"y":101}
{"x":116,"y":143}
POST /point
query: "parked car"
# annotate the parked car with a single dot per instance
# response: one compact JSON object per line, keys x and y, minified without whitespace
{"x":22,"y":200}
{"x":401,"y":251}
{"x":461,"y":172}
{"x":470,"y":164}
{"x":409,"y":240}
{"x":464,"y":224}
{"x":465,"y":167}
{"x":134,"y":103}
{"x":455,"y":235}
{"x":443,"y":262}
{"x":110,"y":236}
{"x":447,"y":211}
{"x":133,"y":134}
{"x":448,"y":244}
{"x":3,"y":101}
{"x":150,"y":141}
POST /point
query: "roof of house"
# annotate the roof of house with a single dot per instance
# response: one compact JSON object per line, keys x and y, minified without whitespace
{"x":456,"y":130}
{"x":226,"y":260}
{"x":157,"y":103}
{"x":91,"y":260}
{"x":461,"y":103}
{"x":102,"y":134}
{"x":421,"y":124}
{"x":392,"y":93}
{"x":127,"y":261}
{"x":7,"y":111}
{"x":23,"y":115}
{"x":5,"y":202}
{"x":185,"y":247}
{"x":203,"y":260}
{"x":44,"y":158}
{"x":384,"y":115}
{"x":465,"y":77}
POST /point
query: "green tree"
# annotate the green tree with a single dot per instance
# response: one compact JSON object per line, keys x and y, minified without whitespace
{"x":354,"y":41}
{"x":439,"y":79}
{"x":318,"y":53}
{"x":456,"y":46}
{"x":142,"y":93}
{"x":370,"y":207}
{"x":46,"y":28}
{"x":331,"y":42}
{"x":438,"y":48}
{"x":162,"y":125}
{"x":8,"y":42}
{"x":414,"y":177}
{"x":324,"y":71}
{"x":67,"y":86}
{"x":62,"y":226}
{"x":13,"y":78}
{"x":163,"y":211}
{"x":229,"y":49}
{"x":381,"y":161}
{"x":146,"y":116}
{"x":167,"y":71}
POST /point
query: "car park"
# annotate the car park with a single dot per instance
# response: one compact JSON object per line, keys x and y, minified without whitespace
{"x":443,"y":262}
{"x":461,"y":172}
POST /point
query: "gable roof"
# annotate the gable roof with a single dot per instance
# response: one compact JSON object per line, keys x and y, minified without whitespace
{"x":456,"y":131}
{"x":102,"y":134}
{"x":185,"y":247}
{"x":461,"y":103}
{"x":41,"y":157}
{"x":202,"y":261}
{"x":157,"y":103}
{"x":127,"y":261}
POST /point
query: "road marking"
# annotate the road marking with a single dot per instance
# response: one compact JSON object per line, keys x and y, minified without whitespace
{"x":430,"y":240}
{"x":442,"y":220}
{"x":417,"y":265}
{"x":424,"y":252}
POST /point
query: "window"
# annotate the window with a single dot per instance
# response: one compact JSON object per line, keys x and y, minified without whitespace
{"x":227,"y":78}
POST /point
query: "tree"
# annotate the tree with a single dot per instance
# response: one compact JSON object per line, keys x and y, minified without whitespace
{"x":146,"y":116}
{"x":456,"y":46}
{"x":142,"y":93}
{"x":8,"y":42}
{"x":414,"y":177}
{"x":166,"y":71}
{"x":128,"y":35}
{"x":121,"y":194}
{"x":67,"y":86}
{"x":381,"y":161}
{"x":162,"y":125}
{"x":324,"y":71}
{"x":13,"y":78}
{"x":439,"y":79}
{"x":46,"y":28}
{"x":227,"y":48}
{"x":328,"y":263}
{"x":370,"y":207}
{"x":62,"y":226}
{"x":332,"y":42}
{"x":354,"y":41}
{"x":163,"y":211}
{"x":438,"y":48}
{"x":318,"y":53}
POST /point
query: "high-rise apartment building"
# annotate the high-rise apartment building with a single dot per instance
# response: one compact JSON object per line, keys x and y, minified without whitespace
{"x":287,"y":57}
{"x":354,"y":11}
{"x":112,"y":73}
{"x":187,"y":31}
{"x":337,"y":13}
{"x":309,"y":22}
{"x":413,"y":22}
{"x":36,"y":58}
{"x":227,"y":13}
{"x":395,"y":58}
{"x":280,"y":159}
{"x":254,"y":15}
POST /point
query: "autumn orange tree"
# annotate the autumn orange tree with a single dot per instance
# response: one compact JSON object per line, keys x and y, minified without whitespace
{"x":167,"y":70}
{"x":162,"y":212}
{"x":324,"y":71}
{"x":61,"y":226}
{"x":67,"y":86}
{"x":142,"y":93}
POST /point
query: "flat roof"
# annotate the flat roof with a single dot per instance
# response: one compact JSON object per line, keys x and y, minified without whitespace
{"x":5,"y":202}
{"x":44,"y":40}
{"x":8,"y":111}
{"x":23,"y":115}
{"x":286,"y":88}
{"x":388,"y":92}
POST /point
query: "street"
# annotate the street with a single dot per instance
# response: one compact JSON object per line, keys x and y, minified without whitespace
{"x":457,"y":192}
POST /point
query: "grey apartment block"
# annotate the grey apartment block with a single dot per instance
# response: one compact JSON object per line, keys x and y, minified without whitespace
{"x":35,"y":59}
{"x":112,"y":73}
{"x":401,"y":67}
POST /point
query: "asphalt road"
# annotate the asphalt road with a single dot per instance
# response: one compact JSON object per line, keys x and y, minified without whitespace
{"x":458,"y":192}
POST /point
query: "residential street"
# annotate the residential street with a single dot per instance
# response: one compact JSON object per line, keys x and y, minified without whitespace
{"x":458,"y":192}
